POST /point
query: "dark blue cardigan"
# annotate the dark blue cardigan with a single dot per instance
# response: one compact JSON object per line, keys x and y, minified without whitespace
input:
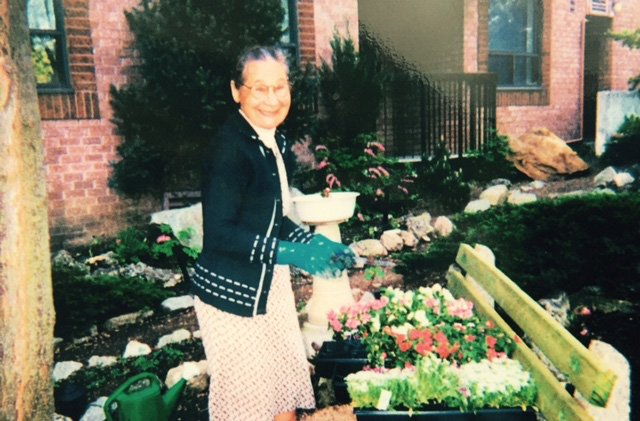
{"x":243,"y":220}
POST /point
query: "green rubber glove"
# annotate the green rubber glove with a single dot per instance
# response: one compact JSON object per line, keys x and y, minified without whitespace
{"x":315,"y":259}
{"x":344,"y":257}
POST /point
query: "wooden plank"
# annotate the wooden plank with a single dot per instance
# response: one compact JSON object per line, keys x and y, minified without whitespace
{"x":585,"y":372}
{"x":555,"y":403}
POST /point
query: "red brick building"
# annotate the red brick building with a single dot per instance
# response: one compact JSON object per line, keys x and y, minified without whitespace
{"x":566,"y":60}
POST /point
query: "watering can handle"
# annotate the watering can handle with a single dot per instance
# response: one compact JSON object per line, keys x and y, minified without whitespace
{"x":123,"y":388}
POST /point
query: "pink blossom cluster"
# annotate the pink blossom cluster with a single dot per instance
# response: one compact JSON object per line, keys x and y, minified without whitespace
{"x":354,"y":315}
{"x":460,"y":308}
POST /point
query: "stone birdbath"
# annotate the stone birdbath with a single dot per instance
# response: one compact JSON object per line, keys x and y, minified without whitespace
{"x":325,"y":211}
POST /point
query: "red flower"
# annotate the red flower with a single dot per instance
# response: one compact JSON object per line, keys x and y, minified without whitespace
{"x":490,"y":324}
{"x":470,"y":338}
{"x":491,"y":341}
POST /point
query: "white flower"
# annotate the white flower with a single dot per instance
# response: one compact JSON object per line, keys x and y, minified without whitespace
{"x":421,"y":317}
{"x":375,"y":324}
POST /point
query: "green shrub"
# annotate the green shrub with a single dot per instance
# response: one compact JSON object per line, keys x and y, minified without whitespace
{"x":491,"y":161}
{"x":624,"y":148}
{"x":187,"y":51}
{"x":83,"y":300}
{"x":441,"y":185}
{"x":629,"y":39}
{"x":550,"y":245}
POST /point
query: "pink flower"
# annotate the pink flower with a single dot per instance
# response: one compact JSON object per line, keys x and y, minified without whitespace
{"x":360,"y":217}
{"x":376,"y":145}
{"x":352,"y":323}
{"x":331,"y":180}
{"x":323,"y":164}
{"x":379,"y":193}
{"x":584,"y":311}
{"x":336,"y":325}
{"x":383,"y":171}
{"x":460,"y":308}
{"x":163,"y":239}
{"x":375,"y":172}
{"x":403,"y":189}
{"x":370,"y":152}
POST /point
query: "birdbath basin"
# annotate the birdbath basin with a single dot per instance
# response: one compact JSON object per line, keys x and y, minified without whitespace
{"x":325,"y":212}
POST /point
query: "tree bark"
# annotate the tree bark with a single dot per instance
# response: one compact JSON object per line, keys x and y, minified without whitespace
{"x":26,"y":300}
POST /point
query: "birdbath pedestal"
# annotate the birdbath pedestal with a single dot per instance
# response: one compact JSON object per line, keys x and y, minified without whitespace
{"x":326,"y":213}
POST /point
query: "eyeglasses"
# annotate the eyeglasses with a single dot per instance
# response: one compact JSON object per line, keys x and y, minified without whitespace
{"x":260,"y":91}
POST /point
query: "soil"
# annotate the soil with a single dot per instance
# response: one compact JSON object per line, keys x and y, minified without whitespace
{"x":193,"y":406}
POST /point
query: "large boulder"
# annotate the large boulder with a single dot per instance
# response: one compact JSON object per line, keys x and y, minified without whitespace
{"x":541,"y":154}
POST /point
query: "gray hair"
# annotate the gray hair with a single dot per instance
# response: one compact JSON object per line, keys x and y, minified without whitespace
{"x":257,"y":53}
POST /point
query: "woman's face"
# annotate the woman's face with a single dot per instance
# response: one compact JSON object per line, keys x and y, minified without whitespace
{"x":264,"y":97}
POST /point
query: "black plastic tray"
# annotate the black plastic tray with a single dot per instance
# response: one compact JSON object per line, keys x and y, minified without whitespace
{"x":507,"y":414}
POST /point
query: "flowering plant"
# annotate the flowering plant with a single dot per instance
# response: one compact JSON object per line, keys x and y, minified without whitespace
{"x":401,"y":327}
{"x":498,"y":383}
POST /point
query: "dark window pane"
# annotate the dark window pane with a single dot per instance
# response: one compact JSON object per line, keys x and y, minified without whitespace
{"x":286,"y":27}
{"x":508,"y":25}
{"x":502,"y":65}
{"x":41,"y":14}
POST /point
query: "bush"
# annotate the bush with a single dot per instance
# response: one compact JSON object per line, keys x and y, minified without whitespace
{"x":82,"y":300}
{"x":624,"y":148}
{"x":551,"y":245}
{"x":440,"y":184}
{"x":187,"y":51}
{"x":491,"y":161}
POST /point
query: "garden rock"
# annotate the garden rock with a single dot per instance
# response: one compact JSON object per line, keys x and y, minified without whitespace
{"x":618,"y":406}
{"x":108,"y":259}
{"x":127,"y":319}
{"x":136,"y":349}
{"x":179,"y":335}
{"x":534,"y":185}
{"x":64,"y":258}
{"x":408,"y":239}
{"x":102,"y":360}
{"x":369,"y":248}
{"x":605,"y":177}
{"x":478,"y":205}
{"x":392,"y":240}
{"x":488,"y":256}
{"x":499,"y":181}
{"x":181,"y":220}
{"x":541,"y":154}
{"x":420,"y":225}
{"x":195,"y":373}
{"x":58,"y":417}
{"x":443,"y":226}
{"x":197,"y":334}
{"x":519,"y":198}
{"x":558,"y":307}
{"x":177,"y":303}
{"x":64,"y":369}
{"x":622,"y":179}
{"x":95,"y":411}
{"x":495,"y":195}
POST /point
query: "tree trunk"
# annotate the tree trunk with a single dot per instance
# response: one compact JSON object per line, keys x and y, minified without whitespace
{"x":26,"y":301}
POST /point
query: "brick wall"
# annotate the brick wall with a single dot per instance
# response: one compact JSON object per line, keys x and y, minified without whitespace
{"x":623,"y":62}
{"x":306,"y":31}
{"x":78,"y":151}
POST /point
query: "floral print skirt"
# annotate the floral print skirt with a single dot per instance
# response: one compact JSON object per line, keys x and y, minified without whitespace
{"x":257,"y":365}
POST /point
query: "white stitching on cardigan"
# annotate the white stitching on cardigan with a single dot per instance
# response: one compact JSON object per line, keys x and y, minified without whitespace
{"x":253,"y":248}
{"x":223,"y":278}
{"x":264,"y":245}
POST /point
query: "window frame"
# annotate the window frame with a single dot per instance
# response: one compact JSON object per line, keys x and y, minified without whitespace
{"x":536,"y":55}
{"x":293,"y":46}
{"x":60,"y":35}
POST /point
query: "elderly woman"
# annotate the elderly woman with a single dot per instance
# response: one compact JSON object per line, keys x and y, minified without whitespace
{"x":244,"y":302}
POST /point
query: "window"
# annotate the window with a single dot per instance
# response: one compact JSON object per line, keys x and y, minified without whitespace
{"x":514,"y":42}
{"x":289,"y":40}
{"x":48,"y":45}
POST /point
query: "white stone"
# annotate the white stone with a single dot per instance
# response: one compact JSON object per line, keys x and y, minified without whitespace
{"x":618,"y":406}
{"x":537,"y":184}
{"x":495,"y":195}
{"x":58,"y":417}
{"x":64,"y":369}
{"x":178,"y":303}
{"x":95,"y":411}
{"x":518,"y":198}
{"x":478,"y":205}
{"x":197,"y":334}
{"x":188,"y":370}
{"x":605,"y":177}
{"x":443,"y":226}
{"x":369,"y":248}
{"x":622,"y":179}
{"x":102,"y":360}
{"x":408,"y":239}
{"x":392,"y":240}
{"x":485,"y":253}
{"x":136,"y":349}
{"x":173,"y":281}
{"x":420,"y":225}
{"x":179,"y":335}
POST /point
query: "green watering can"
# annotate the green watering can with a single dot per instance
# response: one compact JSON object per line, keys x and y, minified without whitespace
{"x":139,"y":399}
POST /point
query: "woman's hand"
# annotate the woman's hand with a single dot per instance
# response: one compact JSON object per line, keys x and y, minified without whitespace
{"x":344,"y":257}
{"x":318,"y":259}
